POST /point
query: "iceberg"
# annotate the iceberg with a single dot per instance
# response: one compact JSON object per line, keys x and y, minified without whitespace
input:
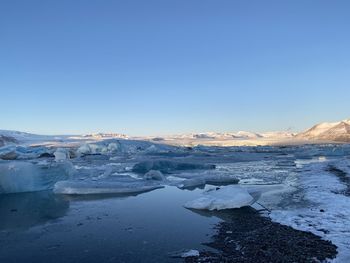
{"x":99,"y":148}
{"x":91,"y":148}
{"x":227,"y":197}
{"x":61,"y":154}
{"x":20,"y":176}
{"x":113,"y":147}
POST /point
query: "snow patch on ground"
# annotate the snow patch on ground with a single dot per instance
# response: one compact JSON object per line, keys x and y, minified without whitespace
{"x":326,"y":211}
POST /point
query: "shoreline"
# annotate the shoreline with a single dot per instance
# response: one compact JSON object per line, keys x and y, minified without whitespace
{"x":245,"y":236}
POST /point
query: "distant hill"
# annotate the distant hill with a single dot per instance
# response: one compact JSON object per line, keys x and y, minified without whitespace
{"x":328,"y":131}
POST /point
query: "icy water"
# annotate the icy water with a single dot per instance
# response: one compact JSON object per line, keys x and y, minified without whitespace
{"x":74,"y":220}
{"x":44,"y":227}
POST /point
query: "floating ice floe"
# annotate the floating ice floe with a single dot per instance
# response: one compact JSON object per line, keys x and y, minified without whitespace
{"x":212,"y":179}
{"x":226,"y":197}
{"x":191,"y":183}
{"x":126,"y":185}
{"x":19,"y":176}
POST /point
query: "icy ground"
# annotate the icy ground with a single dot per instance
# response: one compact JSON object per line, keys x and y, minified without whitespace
{"x":306,"y":187}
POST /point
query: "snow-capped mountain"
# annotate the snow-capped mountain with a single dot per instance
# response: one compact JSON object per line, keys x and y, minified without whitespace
{"x":105,"y":135}
{"x":329,"y":131}
{"x":218,"y":135}
{"x":278,"y":134}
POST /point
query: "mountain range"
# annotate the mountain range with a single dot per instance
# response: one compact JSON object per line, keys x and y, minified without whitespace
{"x":319,"y":133}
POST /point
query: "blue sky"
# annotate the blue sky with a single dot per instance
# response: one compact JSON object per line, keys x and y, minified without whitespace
{"x":157,"y":67}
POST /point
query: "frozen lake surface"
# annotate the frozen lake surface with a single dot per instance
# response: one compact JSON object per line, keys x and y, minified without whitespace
{"x":123,"y":201}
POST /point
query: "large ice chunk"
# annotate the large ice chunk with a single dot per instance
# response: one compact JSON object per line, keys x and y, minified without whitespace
{"x":201,"y":180}
{"x":99,"y":148}
{"x":61,"y":154}
{"x":227,"y":197}
{"x":20,"y":176}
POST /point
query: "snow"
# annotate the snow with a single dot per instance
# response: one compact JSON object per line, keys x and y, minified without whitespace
{"x":227,"y":197}
{"x":102,"y":136}
{"x":334,"y":131}
{"x":327,"y":211}
{"x":321,"y":128}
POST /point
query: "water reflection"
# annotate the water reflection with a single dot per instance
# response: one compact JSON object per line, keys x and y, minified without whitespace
{"x":25,"y":210}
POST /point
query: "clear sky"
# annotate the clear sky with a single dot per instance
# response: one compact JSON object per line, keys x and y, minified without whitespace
{"x":172,"y":66}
